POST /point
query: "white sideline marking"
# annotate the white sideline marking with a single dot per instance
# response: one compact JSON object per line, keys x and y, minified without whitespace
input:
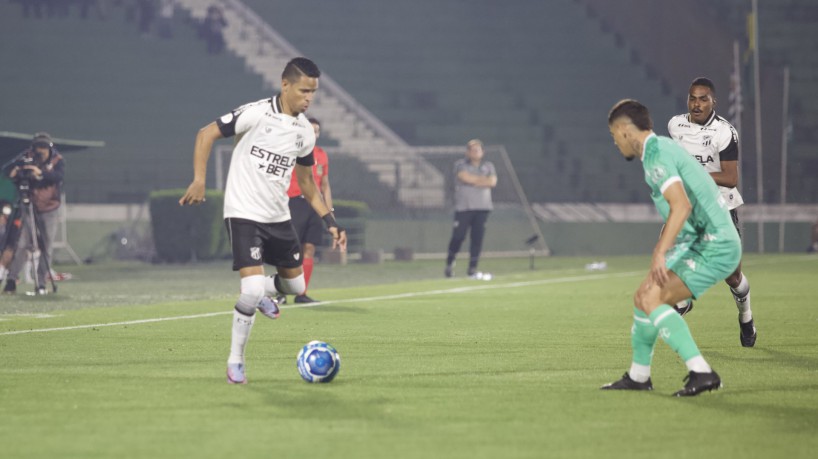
{"x":33,"y":316}
{"x":556,"y":280}
{"x":471,"y":288}
{"x":113,"y":324}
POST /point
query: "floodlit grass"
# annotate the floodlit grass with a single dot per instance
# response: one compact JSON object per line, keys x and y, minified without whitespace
{"x":431,"y":367}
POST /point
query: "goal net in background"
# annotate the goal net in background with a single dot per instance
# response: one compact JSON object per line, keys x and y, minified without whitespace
{"x":410,"y":191}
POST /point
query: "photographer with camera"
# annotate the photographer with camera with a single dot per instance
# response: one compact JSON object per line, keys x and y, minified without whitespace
{"x":37,"y":173}
{"x":8,"y":233}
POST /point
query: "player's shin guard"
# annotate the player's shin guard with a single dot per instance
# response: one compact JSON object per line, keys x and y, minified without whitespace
{"x":741,"y":295}
{"x":270,"y":286}
{"x":242,"y":324}
{"x":643,"y":339}
{"x":294,"y":286}
{"x":674,"y":331}
{"x":252,"y":291}
{"x":275,"y":285}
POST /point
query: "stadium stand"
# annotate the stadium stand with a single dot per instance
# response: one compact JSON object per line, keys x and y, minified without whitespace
{"x":145,"y":97}
{"x":494,"y":70}
{"x":790,"y":38}
{"x":501,"y":71}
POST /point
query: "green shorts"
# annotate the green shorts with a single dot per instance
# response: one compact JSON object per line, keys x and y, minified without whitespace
{"x":703,"y":263}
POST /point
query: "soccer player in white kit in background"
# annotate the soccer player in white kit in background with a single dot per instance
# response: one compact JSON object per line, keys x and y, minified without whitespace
{"x":272,"y":137}
{"x":713,"y":141}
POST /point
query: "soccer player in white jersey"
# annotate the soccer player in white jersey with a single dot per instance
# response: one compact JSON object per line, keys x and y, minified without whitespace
{"x":713,"y":141}
{"x":272,"y":137}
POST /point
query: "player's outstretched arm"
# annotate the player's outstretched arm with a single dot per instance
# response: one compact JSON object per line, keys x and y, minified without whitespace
{"x":310,"y":191}
{"x":201,"y":153}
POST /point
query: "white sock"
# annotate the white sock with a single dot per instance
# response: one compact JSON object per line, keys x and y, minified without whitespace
{"x":242,"y":325}
{"x":639,"y":373}
{"x":741,"y":295}
{"x":698,"y":364}
{"x":270,"y":286}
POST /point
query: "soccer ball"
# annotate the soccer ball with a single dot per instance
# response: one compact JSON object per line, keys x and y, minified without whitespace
{"x":318,"y":362}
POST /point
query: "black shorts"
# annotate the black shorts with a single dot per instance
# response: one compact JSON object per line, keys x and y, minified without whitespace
{"x":307,"y":223}
{"x":256,"y":243}
{"x":734,"y":216}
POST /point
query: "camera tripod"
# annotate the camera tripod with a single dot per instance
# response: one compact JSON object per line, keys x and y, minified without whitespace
{"x":31,"y":223}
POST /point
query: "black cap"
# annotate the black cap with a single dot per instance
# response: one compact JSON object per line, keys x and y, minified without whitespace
{"x":42,"y":139}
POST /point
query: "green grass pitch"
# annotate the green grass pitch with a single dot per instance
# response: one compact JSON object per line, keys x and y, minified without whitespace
{"x":431,"y":367}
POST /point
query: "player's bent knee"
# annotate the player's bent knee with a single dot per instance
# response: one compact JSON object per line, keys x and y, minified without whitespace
{"x":294,"y":286}
{"x":733,"y":280}
{"x":252,"y":291}
{"x":646,"y":298}
{"x":309,"y":250}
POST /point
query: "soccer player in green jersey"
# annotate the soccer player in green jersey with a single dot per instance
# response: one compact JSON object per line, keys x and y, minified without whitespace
{"x":698,"y":248}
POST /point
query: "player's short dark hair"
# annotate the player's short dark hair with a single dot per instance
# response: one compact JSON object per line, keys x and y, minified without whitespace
{"x":314,"y":121}
{"x":634,"y":111}
{"x":300,"y":66}
{"x":706,"y":82}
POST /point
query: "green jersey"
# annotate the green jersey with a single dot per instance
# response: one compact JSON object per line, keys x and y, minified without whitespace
{"x":666,"y":162}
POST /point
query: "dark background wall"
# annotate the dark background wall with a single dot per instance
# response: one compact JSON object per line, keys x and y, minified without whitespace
{"x":537,"y":77}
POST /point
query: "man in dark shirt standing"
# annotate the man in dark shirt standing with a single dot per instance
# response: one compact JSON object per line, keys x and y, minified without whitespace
{"x":474,"y":179}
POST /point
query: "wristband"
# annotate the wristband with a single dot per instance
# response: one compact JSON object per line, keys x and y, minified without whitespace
{"x":329,"y":220}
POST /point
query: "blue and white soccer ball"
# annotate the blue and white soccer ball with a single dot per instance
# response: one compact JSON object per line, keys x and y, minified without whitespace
{"x":318,"y":362}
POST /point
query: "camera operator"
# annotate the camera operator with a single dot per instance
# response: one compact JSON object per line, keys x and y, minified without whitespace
{"x":8,"y":237}
{"x":38,"y":174}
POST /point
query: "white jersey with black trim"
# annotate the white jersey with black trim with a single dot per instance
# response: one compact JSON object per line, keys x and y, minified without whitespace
{"x":268,"y":143}
{"x":711,"y":143}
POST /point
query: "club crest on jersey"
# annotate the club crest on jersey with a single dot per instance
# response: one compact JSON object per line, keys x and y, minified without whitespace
{"x":255,"y":253}
{"x":268,"y":130}
{"x":296,"y":256}
{"x":299,"y":141}
{"x":657,"y":174}
{"x":707,"y":140}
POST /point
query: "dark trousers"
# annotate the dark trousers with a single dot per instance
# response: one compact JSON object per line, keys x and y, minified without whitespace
{"x":465,"y":221}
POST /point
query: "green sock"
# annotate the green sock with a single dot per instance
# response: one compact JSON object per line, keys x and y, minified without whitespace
{"x":643,"y":337}
{"x":674,"y":331}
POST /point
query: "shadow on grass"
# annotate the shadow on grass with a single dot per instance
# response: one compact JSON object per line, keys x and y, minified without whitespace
{"x":331,"y":308}
{"x":797,"y":361}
